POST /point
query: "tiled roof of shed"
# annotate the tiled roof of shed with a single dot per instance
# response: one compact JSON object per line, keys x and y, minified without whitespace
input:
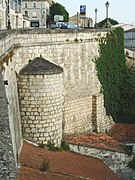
{"x":40,"y":66}
{"x":97,"y":141}
{"x":123,"y":132}
{"x":64,"y":165}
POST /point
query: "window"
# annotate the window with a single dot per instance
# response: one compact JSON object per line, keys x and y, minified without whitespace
{"x":25,"y":5}
{"x":34,"y":5}
{"x":34,"y":23}
{"x":26,"y":13}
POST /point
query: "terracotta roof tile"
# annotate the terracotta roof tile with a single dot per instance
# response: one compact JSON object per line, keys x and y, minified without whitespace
{"x":123,"y":132}
{"x":96,"y":140}
{"x":27,"y":173}
{"x":63,"y":165}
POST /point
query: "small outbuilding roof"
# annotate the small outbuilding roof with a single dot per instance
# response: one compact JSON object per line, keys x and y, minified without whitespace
{"x":123,"y":132}
{"x":40,"y":66}
{"x":63,"y":165}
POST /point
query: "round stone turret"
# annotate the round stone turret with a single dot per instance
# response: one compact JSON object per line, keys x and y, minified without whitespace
{"x":41,"y":101}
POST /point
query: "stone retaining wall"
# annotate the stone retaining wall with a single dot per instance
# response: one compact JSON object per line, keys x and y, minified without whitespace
{"x":74,"y":51}
{"x":77,"y":116}
{"x":115,"y":160}
{"x":102,"y":121}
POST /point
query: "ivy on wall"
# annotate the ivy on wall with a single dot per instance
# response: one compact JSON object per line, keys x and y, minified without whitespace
{"x":117,"y":81}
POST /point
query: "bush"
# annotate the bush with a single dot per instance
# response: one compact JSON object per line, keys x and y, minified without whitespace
{"x":45,"y":165}
{"x":131,"y":164}
{"x":76,"y":40}
{"x":64,"y":145}
{"x":41,"y":145}
{"x":52,"y":147}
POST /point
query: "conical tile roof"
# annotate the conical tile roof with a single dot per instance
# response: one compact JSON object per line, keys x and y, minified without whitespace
{"x":40,"y":66}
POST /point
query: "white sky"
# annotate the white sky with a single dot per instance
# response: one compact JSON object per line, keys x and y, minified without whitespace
{"x":121,"y":10}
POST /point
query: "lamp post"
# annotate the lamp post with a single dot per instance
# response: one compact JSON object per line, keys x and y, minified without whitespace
{"x":107,"y":7}
{"x":77,"y":20}
{"x":96,"y":17}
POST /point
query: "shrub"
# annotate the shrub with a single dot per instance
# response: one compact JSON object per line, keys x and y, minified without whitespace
{"x":76,"y":40}
{"x":131,"y":164}
{"x":67,"y":40}
{"x":64,"y":145}
{"x":41,"y":145}
{"x":45,"y":165}
{"x":52,"y":147}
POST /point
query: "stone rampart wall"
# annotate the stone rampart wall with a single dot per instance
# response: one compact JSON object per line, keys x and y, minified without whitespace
{"x":72,"y":50}
{"x":77,"y":116}
{"x":103,"y":122}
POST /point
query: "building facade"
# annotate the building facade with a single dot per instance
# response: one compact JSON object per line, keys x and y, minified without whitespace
{"x":11,"y":16}
{"x":129,"y":39}
{"x":81,"y":21}
{"x":37,"y":11}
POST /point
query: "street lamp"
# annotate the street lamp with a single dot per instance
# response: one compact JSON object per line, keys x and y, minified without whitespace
{"x":77,"y":20}
{"x":96,"y":17}
{"x":107,"y":6}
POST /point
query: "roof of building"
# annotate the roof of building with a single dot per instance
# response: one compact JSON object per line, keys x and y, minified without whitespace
{"x":49,"y":1}
{"x":126,"y":27}
{"x":96,"y":141}
{"x":123,"y":132}
{"x":62,"y":165}
{"x":130,"y":30}
{"x":40,"y":66}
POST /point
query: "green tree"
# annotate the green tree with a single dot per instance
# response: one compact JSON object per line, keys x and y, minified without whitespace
{"x":118,"y":82}
{"x":109,"y":22}
{"x":58,"y":9}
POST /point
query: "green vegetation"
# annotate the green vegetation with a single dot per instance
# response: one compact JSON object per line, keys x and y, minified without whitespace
{"x":109,"y":22}
{"x":117,"y":81}
{"x":76,"y":40}
{"x":67,"y":40}
{"x":64,"y":145}
{"x":51,"y":146}
{"x":41,"y":145}
{"x":58,"y":9}
{"x":45,"y":165}
{"x":131,"y":164}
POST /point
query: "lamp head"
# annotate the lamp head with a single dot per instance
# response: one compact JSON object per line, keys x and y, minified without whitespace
{"x":107,"y":4}
{"x":96,"y":10}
